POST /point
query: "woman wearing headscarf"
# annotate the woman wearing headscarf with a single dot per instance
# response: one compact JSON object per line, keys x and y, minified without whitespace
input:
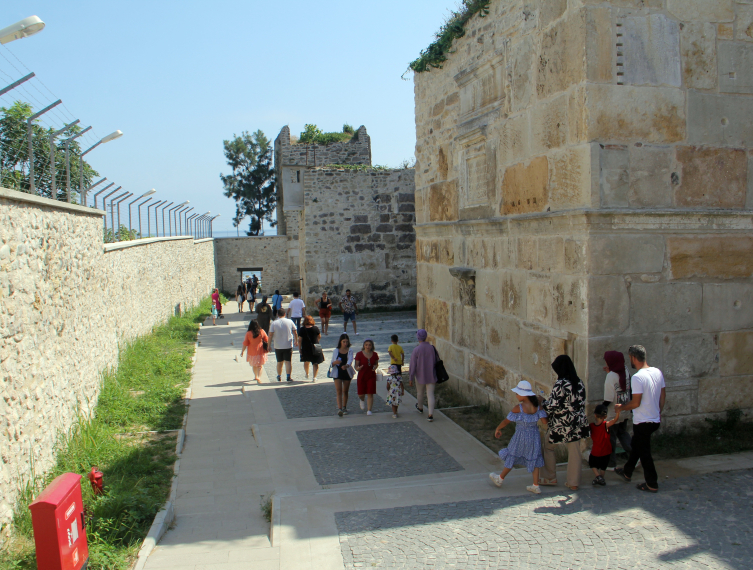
{"x":264,"y":314}
{"x":423,"y":360}
{"x":617,"y":391}
{"x":568,"y":424}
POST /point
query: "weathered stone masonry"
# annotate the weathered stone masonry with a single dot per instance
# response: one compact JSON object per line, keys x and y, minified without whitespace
{"x":66,"y":304}
{"x":268,"y":252}
{"x":584,"y":182}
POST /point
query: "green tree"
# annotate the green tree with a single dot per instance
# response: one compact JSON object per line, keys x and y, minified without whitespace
{"x":252,"y":183}
{"x":14,"y":154}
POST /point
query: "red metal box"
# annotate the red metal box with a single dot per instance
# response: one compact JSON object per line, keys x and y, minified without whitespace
{"x":58,"y":518}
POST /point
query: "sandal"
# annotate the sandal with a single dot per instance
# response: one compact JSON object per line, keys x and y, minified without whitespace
{"x":644,"y":487}
{"x":621,"y":472}
{"x":548,"y":482}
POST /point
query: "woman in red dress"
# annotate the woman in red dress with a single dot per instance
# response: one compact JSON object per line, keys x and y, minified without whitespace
{"x":366,"y":363}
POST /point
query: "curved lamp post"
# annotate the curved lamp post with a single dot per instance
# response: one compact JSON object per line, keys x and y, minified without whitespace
{"x":68,"y":164}
{"x":185,"y":220}
{"x":112,"y":208}
{"x":176,"y":221}
{"x":200,"y":226}
{"x":149,"y":219}
{"x":144,"y":195}
{"x":103,"y":190}
{"x":189,"y":222}
{"x":139,"y":210}
{"x":210,"y":223}
{"x":116,"y":228}
{"x":171,"y":217}
{"x":165,"y":207}
{"x":108,"y":138}
{"x":53,"y":136}
{"x":104,"y":204}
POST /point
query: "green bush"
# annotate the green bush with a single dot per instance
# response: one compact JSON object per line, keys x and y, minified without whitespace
{"x":314,"y":135}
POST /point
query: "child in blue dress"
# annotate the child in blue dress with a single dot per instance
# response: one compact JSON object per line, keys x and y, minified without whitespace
{"x":525,"y":446}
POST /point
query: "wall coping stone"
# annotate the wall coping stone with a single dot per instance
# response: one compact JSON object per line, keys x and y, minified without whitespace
{"x":48,"y":202}
{"x":252,"y":237}
{"x":202,"y":240}
{"x":143,"y":241}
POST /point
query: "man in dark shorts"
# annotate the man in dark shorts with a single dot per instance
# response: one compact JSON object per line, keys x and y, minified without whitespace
{"x":283,"y":334}
{"x":350,"y":310}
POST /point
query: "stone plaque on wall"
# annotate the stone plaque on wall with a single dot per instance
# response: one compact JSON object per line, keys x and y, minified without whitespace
{"x":475,"y":180}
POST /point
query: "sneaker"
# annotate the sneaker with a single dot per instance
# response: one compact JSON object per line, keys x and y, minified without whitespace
{"x":313,"y":379}
{"x":368,"y":413}
{"x":496,"y":479}
{"x":345,"y":411}
{"x":394,"y":416}
{"x":279,"y":379}
{"x":420,"y":410}
{"x":340,"y":412}
{"x":430,"y":418}
{"x":356,"y":334}
{"x":362,"y":404}
{"x":290,"y":379}
{"x":535,"y":489}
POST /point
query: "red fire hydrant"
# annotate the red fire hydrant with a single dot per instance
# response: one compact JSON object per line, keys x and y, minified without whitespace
{"x":97,"y":481}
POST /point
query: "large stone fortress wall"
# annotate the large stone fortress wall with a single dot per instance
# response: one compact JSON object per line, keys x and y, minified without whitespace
{"x":358,"y":234}
{"x":585,"y":182}
{"x":66,"y":304}
{"x":268,"y":252}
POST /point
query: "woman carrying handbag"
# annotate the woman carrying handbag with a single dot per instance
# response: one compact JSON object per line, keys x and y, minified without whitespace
{"x":342,"y":372}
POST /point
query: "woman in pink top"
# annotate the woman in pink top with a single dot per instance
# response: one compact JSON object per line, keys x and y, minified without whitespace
{"x":422,"y":362}
{"x":257,"y":355}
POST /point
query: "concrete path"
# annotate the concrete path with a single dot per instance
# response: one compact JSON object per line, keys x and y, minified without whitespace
{"x":372,"y":491}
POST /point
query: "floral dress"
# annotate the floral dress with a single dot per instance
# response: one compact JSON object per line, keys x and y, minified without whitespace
{"x":394,"y":386}
{"x":525,"y":446}
{"x":566,"y":409}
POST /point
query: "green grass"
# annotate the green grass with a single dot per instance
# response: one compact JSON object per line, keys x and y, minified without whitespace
{"x":731,"y":435}
{"x":144,"y":394}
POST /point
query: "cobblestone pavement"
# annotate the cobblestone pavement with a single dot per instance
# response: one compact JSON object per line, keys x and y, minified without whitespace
{"x":319,"y":400}
{"x":376,"y":451}
{"x":702,"y":522}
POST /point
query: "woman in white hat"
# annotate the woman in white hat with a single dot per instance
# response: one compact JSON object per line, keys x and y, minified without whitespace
{"x":525,"y":446}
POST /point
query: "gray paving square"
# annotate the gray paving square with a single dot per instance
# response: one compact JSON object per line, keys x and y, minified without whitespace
{"x":319,"y":400}
{"x":376,"y":451}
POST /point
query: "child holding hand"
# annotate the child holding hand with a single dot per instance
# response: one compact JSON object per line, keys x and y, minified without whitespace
{"x":525,"y":446}
{"x":601,"y":451}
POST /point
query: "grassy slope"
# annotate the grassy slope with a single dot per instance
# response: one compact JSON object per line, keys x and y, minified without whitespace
{"x":144,"y":394}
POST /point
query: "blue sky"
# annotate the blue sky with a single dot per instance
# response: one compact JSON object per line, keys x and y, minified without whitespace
{"x":179,"y":77}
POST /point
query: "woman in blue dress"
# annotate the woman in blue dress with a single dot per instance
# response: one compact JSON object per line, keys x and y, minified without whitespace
{"x":525,"y":445}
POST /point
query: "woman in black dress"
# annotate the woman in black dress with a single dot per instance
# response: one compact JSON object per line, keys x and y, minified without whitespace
{"x":308,"y":341}
{"x":264,"y":314}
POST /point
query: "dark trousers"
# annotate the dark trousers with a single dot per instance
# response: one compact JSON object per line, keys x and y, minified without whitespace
{"x":619,"y":431}
{"x":297,"y":321}
{"x":642,"y":450}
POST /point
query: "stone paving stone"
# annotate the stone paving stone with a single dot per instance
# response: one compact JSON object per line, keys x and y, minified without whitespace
{"x":319,"y":400}
{"x":376,"y":451}
{"x":692,"y":523}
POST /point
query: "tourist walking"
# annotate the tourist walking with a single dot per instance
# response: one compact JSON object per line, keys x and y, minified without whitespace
{"x":342,"y":372}
{"x":649,"y":396}
{"x":395,"y":388}
{"x":366,"y":364}
{"x":349,"y":307}
{"x":276,"y":303}
{"x":397,"y":354}
{"x":617,"y":391}
{"x":525,"y":446}
{"x":240,"y":296}
{"x":601,"y":450}
{"x":566,"y":411}
{"x":256,"y":345}
{"x":309,"y":347}
{"x":283,"y":334}
{"x":216,"y":306}
{"x":296,"y":310}
{"x":264,"y":314}
{"x":325,"y":312}
{"x":423,"y":361}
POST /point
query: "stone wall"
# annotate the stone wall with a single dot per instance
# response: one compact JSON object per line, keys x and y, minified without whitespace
{"x":584,"y":182}
{"x":66,"y":304}
{"x":358,"y":234}
{"x":268,"y":252}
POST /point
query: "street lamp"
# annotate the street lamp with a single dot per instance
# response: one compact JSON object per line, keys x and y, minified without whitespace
{"x":104,"y":202}
{"x":23,"y":29}
{"x":108,"y":138}
{"x":68,"y":164}
{"x":170,"y":217}
{"x":149,"y":219}
{"x":183,"y":223}
{"x":144,"y":195}
{"x":165,"y":207}
{"x":29,"y":125}
{"x":176,"y":219}
{"x":103,"y":189}
{"x":203,"y":218}
{"x":139,"y":209}
{"x":210,"y":223}
{"x":116,"y":229}
{"x":53,"y":136}
{"x":188,"y":224}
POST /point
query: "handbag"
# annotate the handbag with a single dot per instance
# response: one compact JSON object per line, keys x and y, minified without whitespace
{"x":440,"y":370}
{"x":265,"y":346}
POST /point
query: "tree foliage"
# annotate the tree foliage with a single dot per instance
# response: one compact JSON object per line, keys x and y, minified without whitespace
{"x":313,"y":135}
{"x":14,"y":154}
{"x":252,"y":182}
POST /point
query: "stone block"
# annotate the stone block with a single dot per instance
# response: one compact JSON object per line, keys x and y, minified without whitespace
{"x":443,"y":201}
{"x":520,"y":70}
{"x":735,"y":67}
{"x":435,"y":280}
{"x":515,"y":139}
{"x":640,"y":114}
{"x":576,"y":256}
{"x":651,"y":50}
{"x":570,"y":178}
{"x":551,"y":254}
{"x":539,"y":302}
{"x":550,"y":10}
{"x":702,"y":10}
{"x":453,"y":358}
{"x":722,"y":394}
{"x":719,"y":120}
{"x":614,"y":175}
{"x":437,"y":318}
{"x":725,"y":32}
{"x":525,"y":187}
{"x":720,"y":257}
{"x":744,"y":23}
{"x":488,"y":291}
{"x":727,"y":306}
{"x":749,"y":199}
{"x":569,"y":304}
{"x":679,"y":402}
{"x":608,"y":306}
{"x":503,"y":339}
{"x":549,"y":124}
{"x":690,"y":355}
{"x":617,"y":254}
{"x":597,"y":346}
{"x":561,"y":61}
{"x":468,"y":327}
{"x":711,"y":177}
{"x":490,"y":375}
{"x":599,"y":40}
{"x":535,"y":354}
{"x":513,"y":293}
{"x":736,"y":353}
{"x":360,"y":229}
{"x":665,"y":307}
{"x":698,"y":50}
{"x":650,"y":177}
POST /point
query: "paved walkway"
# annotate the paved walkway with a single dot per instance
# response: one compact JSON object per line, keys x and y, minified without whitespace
{"x":360,"y":492}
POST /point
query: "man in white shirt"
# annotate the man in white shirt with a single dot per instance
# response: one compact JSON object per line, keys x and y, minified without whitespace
{"x":649,"y":395}
{"x":297,"y":310}
{"x":284,"y":334}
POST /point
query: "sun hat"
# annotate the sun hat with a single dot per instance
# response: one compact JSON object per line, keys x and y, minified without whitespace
{"x":422,"y":334}
{"x":523,"y":389}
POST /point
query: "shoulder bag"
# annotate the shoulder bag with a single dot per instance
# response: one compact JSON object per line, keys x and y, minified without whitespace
{"x":439,"y":368}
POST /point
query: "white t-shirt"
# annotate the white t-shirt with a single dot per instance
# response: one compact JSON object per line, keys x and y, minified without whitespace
{"x":649,"y":382}
{"x":282,"y":331}
{"x":296,"y":308}
{"x":613,"y":393}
